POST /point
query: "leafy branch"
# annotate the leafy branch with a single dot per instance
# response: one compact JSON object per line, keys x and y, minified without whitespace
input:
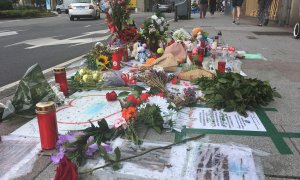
{"x":146,"y":152}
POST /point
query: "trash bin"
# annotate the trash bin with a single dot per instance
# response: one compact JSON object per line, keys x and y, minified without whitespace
{"x":228,"y":7}
{"x":183,"y":9}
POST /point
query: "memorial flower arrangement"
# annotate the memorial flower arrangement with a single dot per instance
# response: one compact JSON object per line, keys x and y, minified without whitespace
{"x":99,"y":57}
{"x":78,"y":146}
{"x":181,"y":35}
{"x":155,"y":30}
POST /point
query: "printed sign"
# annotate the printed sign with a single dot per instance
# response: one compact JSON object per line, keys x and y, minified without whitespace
{"x":207,"y":118}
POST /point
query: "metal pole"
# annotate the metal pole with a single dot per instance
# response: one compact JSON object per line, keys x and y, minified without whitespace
{"x":175,"y":14}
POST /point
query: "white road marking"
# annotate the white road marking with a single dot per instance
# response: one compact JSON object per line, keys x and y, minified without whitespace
{"x":9,"y":21}
{"x":51,"y":41}
{"x":45,"y":71}
{"x":8,"y":33}
{"x":87,"y":26}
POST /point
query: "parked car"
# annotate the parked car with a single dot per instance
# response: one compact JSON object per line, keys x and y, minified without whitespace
{"x":162,"y":8}
{"x":84,"y":9}
{"x":62,"y":6}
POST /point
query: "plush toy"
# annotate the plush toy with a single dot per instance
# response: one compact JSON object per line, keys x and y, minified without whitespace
{"x":142,"y":53}
{"x":199,"y":37}
{"x":134,"y":50}
{"x":105,"y":7}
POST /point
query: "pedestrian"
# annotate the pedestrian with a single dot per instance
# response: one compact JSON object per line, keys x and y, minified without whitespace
{"x":212,"y":6}
{"x":203,"y":4}
{"x":263,"y":12}
{"x":236,"y":11}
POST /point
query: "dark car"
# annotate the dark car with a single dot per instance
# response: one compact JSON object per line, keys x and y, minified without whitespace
{"x":162,"y":8}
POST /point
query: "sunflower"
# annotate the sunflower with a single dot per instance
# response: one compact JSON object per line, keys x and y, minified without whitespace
{"x":102,"y":61}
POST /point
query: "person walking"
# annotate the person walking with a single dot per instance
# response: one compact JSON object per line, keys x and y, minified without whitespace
{"x":212,"y":6}
{"x":236,"y":11}
{"x":203,"y":4}
{"x":263,"y":12}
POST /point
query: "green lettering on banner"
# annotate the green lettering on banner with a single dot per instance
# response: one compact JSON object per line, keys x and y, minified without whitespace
{"x":271,"y":131}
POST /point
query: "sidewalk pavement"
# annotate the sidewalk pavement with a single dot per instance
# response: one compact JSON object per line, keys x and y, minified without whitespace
{"x":281,"y":68}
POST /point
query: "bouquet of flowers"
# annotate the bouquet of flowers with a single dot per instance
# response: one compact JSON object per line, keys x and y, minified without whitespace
{"x":99,"y":57}
{"x":181,"y":35}
{"x":155,"y":31}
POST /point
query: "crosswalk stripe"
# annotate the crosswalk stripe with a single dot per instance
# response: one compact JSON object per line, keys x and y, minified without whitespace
{"x":8,"y":33}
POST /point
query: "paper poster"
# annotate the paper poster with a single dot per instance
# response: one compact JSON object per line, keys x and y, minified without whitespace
{"x":217,"y":161}
{"x":79,"y":111}
{"x":207,"y":118}
{"x":165,"y":164}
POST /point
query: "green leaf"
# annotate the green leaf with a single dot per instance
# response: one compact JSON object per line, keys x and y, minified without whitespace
{"x":154,"y":90}
{"x":112,"y":157}
{"x":116,"y":166}
{"x":276,"y":94}
{"x":238,"y":94}
{"x":222,"y":80}
{"x":123,"y":94}
{"x":139,"y":89}
{"x":118,"y":153}
{"x":218,"y":97}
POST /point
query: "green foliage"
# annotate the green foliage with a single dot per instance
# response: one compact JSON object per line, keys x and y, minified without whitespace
{"x":6,"y":5}
{"x":25,"y":13}
{"x":97,"y":50}
{"x":151,"y":117}
{"x":233,"y":92}
{"x":154,"y":32}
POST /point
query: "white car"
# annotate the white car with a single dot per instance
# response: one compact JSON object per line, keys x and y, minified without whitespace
{"x":84,"y":9}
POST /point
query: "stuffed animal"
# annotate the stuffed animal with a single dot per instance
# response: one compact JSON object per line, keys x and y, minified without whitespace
{"x":134,"y":50}
{"x":199,"y":37}
{"x":142,"y":53}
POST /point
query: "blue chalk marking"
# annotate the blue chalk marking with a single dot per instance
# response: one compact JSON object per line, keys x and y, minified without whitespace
{"x":94,"y":108}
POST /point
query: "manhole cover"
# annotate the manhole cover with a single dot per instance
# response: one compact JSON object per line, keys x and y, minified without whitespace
{"x":273,"y":33}
{"x":251,"y":37}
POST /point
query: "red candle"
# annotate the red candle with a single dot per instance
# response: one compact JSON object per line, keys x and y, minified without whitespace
{"x":221,"y":66}
{"x":200,"y":55}
{"x":46,"y":116}
{"x":202,"y":45}
{"x":124,"y":53}
{"x":116,"y":59}
{"x":61,"y":79}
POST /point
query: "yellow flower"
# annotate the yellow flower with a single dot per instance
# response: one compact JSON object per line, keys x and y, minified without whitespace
{"x":102,"y":60}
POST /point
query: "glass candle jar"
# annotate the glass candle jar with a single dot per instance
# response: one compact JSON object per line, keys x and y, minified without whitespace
{"x":46,"y":116}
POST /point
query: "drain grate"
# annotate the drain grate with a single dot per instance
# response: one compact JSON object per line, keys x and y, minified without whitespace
{"x":276,"y":33}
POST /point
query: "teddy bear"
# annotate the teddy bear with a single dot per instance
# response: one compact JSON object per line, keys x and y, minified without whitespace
{"x":142,"y":53}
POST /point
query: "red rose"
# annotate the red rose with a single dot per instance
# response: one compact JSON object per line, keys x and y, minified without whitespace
{"x":131,"y":99}
{"x":66,"y":170}
{"x":174,"y":80}
{"x":112,"y":96}
{"x":144,"y":96}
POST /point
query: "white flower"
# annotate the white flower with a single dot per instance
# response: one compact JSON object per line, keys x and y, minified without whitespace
{"x":154,"y":17}
{"x":159,"y":21}
{"x":181,"y":35}
{"x":160,"y":102}
{"x":162,"y":19}
{"x":98,"y":44}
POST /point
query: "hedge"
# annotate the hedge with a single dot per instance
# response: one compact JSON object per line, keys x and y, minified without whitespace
{"x":28,"y":13}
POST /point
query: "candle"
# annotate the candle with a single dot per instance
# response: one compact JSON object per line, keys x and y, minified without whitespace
{"x":46,"y":116}
{"x":221,"y":66}
{"x":61,"y":79}
{"x":116,"y":59}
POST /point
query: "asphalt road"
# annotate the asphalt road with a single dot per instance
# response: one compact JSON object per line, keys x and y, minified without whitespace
{"x":48,"y":41}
